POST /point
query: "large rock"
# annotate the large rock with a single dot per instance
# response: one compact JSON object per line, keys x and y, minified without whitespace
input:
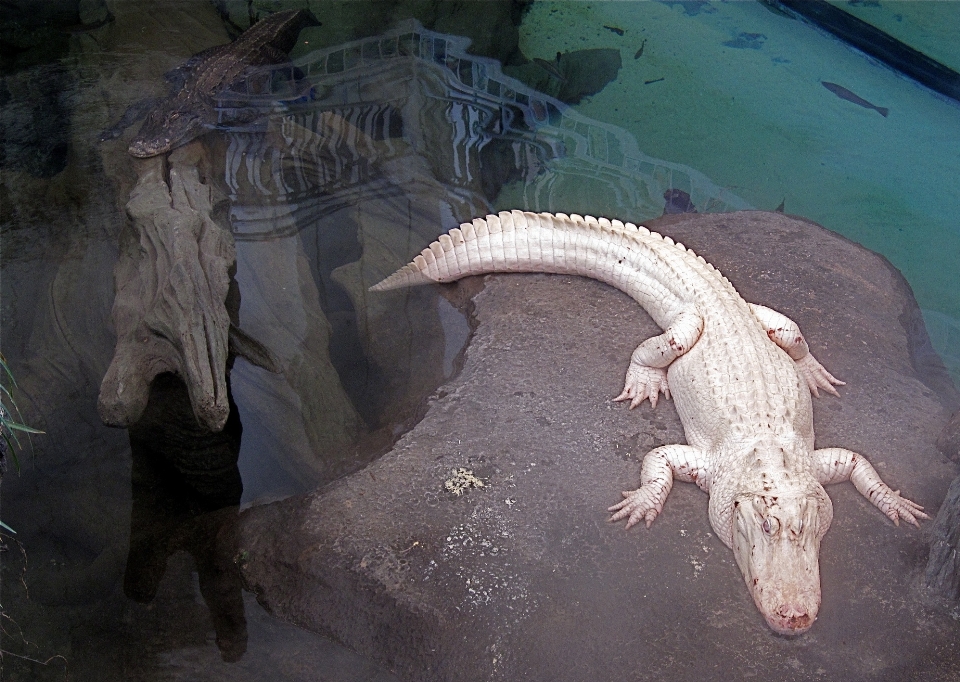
{"x":523,"y":578}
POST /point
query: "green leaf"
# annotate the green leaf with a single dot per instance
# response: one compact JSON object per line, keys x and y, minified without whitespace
{"x":3,"y":363}
{"x":22,"y":427}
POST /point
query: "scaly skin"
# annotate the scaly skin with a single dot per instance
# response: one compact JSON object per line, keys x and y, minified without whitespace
{"x":741,"y":377}
{"x":190,"y":112}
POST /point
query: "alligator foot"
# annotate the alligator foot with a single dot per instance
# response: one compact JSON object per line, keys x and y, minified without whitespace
{"x":817,"y":376}
{"x":839,"y":464}
{"x":642,"y":383}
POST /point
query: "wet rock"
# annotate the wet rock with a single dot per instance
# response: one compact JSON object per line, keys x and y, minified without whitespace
{"x":523,"y":578}
{"x":586,"y":72}
{"x":942,"y":575}
{"x":572,"y":75}
{"x":949,"y":441}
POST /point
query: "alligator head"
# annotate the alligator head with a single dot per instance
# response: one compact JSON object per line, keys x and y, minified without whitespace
{"x":166,"y":128}
{"x":776,"y":542}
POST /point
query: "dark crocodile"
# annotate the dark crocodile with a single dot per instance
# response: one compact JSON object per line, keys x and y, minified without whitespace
{"x":189,"y":111}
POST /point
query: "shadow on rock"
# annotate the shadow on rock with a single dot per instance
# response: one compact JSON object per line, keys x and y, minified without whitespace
{"x":186,"y":491}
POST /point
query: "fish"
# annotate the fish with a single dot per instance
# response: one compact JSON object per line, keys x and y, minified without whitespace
{"x":550,"y":67}
{"x":640,"y":51}
{"x":843,"y":93}
{"x":655,"y":80}
{"x":616,"y":29}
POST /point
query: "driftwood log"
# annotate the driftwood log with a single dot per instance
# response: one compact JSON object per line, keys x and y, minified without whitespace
{"x":170,"y":309}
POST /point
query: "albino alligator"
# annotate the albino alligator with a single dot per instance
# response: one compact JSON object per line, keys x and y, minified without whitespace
{"x":190,"y":112}
{"x":741,"y":377}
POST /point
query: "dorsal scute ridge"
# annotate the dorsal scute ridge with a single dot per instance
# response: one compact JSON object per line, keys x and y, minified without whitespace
{"x":529,"y":219}
{"x":447,"y":257}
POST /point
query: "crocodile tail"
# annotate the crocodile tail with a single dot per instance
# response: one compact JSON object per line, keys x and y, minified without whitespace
{"x":515,"y":241}
{"x":442,"y":261}
{"x":409,"y":275}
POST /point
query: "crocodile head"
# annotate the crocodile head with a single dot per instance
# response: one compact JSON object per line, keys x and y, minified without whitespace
{"x":166,"y":128}
{"x":776,"y":541}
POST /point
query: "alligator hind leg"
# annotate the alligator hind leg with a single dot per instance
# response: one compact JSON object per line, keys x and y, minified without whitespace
{"x":647,"y":374}
{"x":786,"y":334}
{"x":660,"y":467}
{"x":834,"y":465}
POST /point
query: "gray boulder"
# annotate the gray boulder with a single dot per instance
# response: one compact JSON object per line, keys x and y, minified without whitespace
{"x":413,"y":563}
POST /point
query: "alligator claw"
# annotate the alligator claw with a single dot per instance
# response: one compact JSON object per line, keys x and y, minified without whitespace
{"x":817,"y":376}
{"x":641,"y":503}
{"x":644,"y":383}
{"x":896,"y":507}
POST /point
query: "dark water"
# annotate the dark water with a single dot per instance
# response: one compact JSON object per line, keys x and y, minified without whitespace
{"x":389,"y":130}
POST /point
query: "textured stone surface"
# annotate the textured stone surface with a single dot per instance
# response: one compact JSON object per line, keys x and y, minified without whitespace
{"x":523,"y":578}
{"x":943,"y":567}
{"x":949,"y":440}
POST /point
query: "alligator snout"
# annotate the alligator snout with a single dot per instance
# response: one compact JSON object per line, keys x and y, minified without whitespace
{"x":791,"y":620}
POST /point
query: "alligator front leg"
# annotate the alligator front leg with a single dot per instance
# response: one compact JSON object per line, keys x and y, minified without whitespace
{"x":835,"y":465}
{"x":660,"y":466}
{"x":786,"y":334}
{"x":647,"y":374}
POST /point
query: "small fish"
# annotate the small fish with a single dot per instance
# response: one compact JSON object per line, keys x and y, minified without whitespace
{"x":655,"y":80}
{"x":843,"y":93}
{"x":619,"y":31}
{"x":640,"y":51}
{"x":550,"y":67}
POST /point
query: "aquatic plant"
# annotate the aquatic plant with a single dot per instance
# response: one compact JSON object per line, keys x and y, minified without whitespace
{"x":9,"y":426}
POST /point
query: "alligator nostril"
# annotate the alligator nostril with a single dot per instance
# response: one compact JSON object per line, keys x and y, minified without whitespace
{"x":800,"y":621}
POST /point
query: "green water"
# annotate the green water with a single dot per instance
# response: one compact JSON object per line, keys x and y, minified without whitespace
{"x":756,"y":119}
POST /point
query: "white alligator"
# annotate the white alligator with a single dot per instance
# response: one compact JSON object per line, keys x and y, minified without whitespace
{"x":741,"y":377}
